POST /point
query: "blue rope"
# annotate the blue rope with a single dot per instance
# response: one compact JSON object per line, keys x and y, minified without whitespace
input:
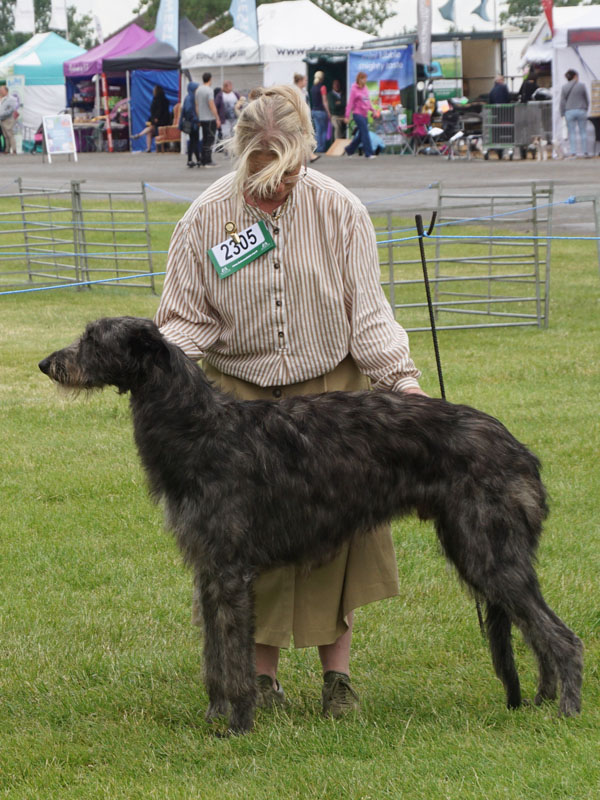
{"x":164,"y":191}
{"x":33,"y":254}
{"x":9,"y":183}
{"x":493,"y":237}
{"x":569,"y":201}
{"x":77,"y":224}
{"x":82,"y":283}
{"x":402,"y":194}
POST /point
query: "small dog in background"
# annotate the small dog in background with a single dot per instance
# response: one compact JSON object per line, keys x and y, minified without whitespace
{"x":541,"y":148}
{"x":253,"y":485}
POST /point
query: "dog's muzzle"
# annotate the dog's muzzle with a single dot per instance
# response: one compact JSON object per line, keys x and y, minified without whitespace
{"x":44,"y":365}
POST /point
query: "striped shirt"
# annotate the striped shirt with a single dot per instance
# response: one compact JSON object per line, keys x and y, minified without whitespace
{"x":295,"y":312}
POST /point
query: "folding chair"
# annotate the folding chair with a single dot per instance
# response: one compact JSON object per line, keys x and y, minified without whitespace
{"x":419,"y":134}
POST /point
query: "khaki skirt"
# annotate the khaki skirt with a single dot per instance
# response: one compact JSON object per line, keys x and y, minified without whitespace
{"x":312,"y":606}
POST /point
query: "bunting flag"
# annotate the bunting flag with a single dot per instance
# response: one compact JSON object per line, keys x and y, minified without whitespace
{"x":24,"y":17}
{"x":482,"y":11}
{"x":244,"y":17}
{"x":447,"y":11}
{"x":548,"y":5}
{"x":167,"y":23}
{"x":423,"y":54}
{"x":58,"y":16}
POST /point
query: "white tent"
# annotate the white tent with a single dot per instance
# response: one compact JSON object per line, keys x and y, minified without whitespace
{"x":287,"y":31}
{"x":575,"y":45}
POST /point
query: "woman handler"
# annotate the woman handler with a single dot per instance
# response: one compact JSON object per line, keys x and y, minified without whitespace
{"x":305,"y":315}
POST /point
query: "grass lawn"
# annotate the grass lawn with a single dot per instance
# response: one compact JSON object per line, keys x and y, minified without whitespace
{"x":101,"y":691}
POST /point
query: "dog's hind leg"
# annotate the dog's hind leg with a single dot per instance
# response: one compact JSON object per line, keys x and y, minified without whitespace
{"x":498,"y":628}
{"x":506,"y":579}
{"x":227,"y":608}
{"x":559,"y":651}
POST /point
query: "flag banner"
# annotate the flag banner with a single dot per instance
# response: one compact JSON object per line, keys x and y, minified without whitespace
{"x":244,"y":17}
{"x":24,"y":17}
{"x":167,"y":23}
{"x":58,"y":16}
{"x":423,"y":54}
{"x":98,"y":27}
{"x":548,"y":6}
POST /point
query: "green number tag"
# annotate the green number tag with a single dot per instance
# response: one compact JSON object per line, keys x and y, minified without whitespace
{"x":229,"y":256}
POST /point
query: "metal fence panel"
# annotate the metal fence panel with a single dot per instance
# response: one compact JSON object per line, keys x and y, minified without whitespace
{"x":74,"y":235}
{"x":490,"y":281}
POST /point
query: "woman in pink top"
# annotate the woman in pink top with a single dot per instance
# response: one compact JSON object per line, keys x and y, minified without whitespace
{"x":359,"y":104}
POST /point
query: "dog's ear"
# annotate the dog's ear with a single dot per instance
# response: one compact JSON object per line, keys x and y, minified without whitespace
{"x":147,"y":342}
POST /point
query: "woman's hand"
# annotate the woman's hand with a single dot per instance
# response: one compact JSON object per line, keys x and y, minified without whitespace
{"x":414,"y":390}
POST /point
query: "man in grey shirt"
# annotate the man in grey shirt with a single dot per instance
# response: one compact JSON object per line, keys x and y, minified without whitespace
{"x":574,"y":104}
{"x":8,"y":106}
{"x":209,"y":118}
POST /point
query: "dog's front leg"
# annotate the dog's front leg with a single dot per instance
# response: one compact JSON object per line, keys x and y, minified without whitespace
{"x":228,"y":611}
{"x":214,"y":676}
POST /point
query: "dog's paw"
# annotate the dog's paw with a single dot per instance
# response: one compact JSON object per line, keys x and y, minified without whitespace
{"x":216,"y":711}
{"x":569,"y":707}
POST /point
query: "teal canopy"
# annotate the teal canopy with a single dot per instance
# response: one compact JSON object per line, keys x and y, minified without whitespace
{"x":40,"y":59}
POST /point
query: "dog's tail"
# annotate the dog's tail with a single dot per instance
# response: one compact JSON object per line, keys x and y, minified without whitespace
{"x":498,"y":628}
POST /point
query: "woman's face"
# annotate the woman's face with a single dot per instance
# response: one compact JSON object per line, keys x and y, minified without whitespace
{"x":259,"y":161}
{"x":362,"y":81}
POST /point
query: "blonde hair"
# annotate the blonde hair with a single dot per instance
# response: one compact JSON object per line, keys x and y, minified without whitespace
{"x":318,"y":76}
{"x":298,"y":77}
{"x":277,"y":122}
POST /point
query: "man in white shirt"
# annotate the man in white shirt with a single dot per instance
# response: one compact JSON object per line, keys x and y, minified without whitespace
{"x":208,"y":115}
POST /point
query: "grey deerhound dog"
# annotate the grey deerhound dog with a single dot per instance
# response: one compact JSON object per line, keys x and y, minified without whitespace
{"x":252,"y":485}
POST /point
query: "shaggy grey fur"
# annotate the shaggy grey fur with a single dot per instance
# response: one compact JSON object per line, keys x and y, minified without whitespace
{"x":252,"y":485}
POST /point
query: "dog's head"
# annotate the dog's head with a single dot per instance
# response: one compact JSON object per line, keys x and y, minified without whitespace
{"x":115,"y":351}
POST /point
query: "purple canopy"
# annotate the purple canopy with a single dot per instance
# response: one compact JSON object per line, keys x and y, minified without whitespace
{"x":126,"y":41}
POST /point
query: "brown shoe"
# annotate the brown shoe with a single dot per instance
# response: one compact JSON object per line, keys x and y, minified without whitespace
{"x":338,"y":695}
{"x":268,"y":695}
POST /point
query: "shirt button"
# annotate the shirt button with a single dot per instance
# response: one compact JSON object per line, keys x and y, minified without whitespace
{"x":275,"y":231}
{"x":276,"y":265}
{"x":277,"y":392}
{"x":277,"y":302}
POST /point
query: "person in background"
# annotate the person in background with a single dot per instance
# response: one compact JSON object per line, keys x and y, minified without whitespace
{"x":8,"y":106}
{"x":359,"y":105}
{"x":207,"y":114}
{"x":300,"y":82}
{"x":499,"y":93}
{"x":225,"y":102}
{"x":320,"y":110}
{"x":337,"y":104}
{"x":159,"y":115}
{"x":306,"y":317}
{"x":528,"y":87}
{"x":574,"y":104}
{"x":190,"y":124}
